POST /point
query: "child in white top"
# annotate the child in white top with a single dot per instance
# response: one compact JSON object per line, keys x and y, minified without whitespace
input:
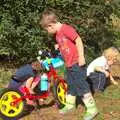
{"x":98,"y":70}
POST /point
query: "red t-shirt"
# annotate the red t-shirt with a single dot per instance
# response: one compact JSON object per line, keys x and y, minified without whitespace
{"x":66,"y":37}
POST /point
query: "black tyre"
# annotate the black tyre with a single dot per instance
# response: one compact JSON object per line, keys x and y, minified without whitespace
{"x":7,"y":110}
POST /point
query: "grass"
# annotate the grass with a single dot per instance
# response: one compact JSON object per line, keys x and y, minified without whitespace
{"x":5,"y":76}
{"x":108,"y":104}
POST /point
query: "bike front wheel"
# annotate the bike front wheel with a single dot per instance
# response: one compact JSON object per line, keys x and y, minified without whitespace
{"x":8,"y":110}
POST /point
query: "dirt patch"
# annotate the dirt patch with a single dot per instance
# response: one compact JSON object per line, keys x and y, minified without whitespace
{"x":52,"y":113}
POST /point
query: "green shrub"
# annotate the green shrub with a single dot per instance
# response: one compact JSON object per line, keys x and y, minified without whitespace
{"x":5,"y":76}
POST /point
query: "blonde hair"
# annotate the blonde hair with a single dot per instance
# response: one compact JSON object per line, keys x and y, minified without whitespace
{"x":48,"y":17}
{"x":111,"y":53}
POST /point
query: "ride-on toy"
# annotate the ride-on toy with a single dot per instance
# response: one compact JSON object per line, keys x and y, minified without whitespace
{"x":12,"y":102}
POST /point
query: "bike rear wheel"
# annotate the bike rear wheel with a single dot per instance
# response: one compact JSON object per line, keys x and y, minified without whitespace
{"x":60,"y":93}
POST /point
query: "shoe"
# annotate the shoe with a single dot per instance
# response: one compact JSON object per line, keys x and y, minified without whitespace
{"x":66,"y":109}
{"x":90,"y":116}
{"x":69,"y":105}
{"x":30,"y":102}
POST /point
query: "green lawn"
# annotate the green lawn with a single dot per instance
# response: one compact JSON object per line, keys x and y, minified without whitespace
{"x":109,"y":104}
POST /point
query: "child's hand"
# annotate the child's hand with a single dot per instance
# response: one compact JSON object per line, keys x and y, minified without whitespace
{"x":106,"y":73}
{"x":82,"y":61}
{"x":114,"y":82}
{"x":31,"y":91}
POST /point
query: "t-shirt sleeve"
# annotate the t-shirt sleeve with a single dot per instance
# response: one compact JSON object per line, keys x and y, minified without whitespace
{"x":70,"y":32}
{"x":101,"y":62}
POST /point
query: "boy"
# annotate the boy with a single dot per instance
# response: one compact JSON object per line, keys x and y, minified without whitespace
{"x":98,"y":70}
{"x":71,"y":48}
{"x":26,"y":75}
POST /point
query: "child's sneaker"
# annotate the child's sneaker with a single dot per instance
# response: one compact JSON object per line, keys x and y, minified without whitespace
{"x":90,"y":116}
{"x":69,"y":105}
{"x":90,"y":105}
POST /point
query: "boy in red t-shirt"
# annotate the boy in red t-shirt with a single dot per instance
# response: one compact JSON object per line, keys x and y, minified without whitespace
{"x":72,"y":51}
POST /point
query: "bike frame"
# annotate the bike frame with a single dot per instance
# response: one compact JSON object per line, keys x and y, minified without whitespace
{"x":52,"y":73}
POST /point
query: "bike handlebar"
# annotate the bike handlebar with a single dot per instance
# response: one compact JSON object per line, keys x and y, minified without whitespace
{"x":47,"y":59}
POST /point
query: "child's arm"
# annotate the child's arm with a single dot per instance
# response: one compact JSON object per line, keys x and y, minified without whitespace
{"x":80,"y":49}
{"x":29,"y":83}
{"x":112,"y":80}
{"x":101,"y":69}
{"x":107,"y":74}
{"x":34,"y":84}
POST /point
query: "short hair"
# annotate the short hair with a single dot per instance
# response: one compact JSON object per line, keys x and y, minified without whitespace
{"x":48,"y":16}
{"x":36,"y":66}
{"x":111,"y":52}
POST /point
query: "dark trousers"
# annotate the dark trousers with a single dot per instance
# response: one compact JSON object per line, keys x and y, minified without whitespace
{"x":76,"y":80}
{"x":14,"y":84}
{"x":97,"y":81}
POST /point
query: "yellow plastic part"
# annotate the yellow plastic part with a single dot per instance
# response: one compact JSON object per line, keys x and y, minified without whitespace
{"x":6,"y":108}
{"x":61,"y":93}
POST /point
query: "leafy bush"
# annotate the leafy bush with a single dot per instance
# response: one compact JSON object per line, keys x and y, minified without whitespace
{"x":21,"y":36}
{"x":5,"y":76}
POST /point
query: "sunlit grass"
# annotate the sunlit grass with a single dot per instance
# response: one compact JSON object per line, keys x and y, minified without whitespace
{"x":5,"y":76}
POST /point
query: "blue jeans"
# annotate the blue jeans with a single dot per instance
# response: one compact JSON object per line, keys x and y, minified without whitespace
{"x":14,"y":84}
{"x":76,"y":80}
